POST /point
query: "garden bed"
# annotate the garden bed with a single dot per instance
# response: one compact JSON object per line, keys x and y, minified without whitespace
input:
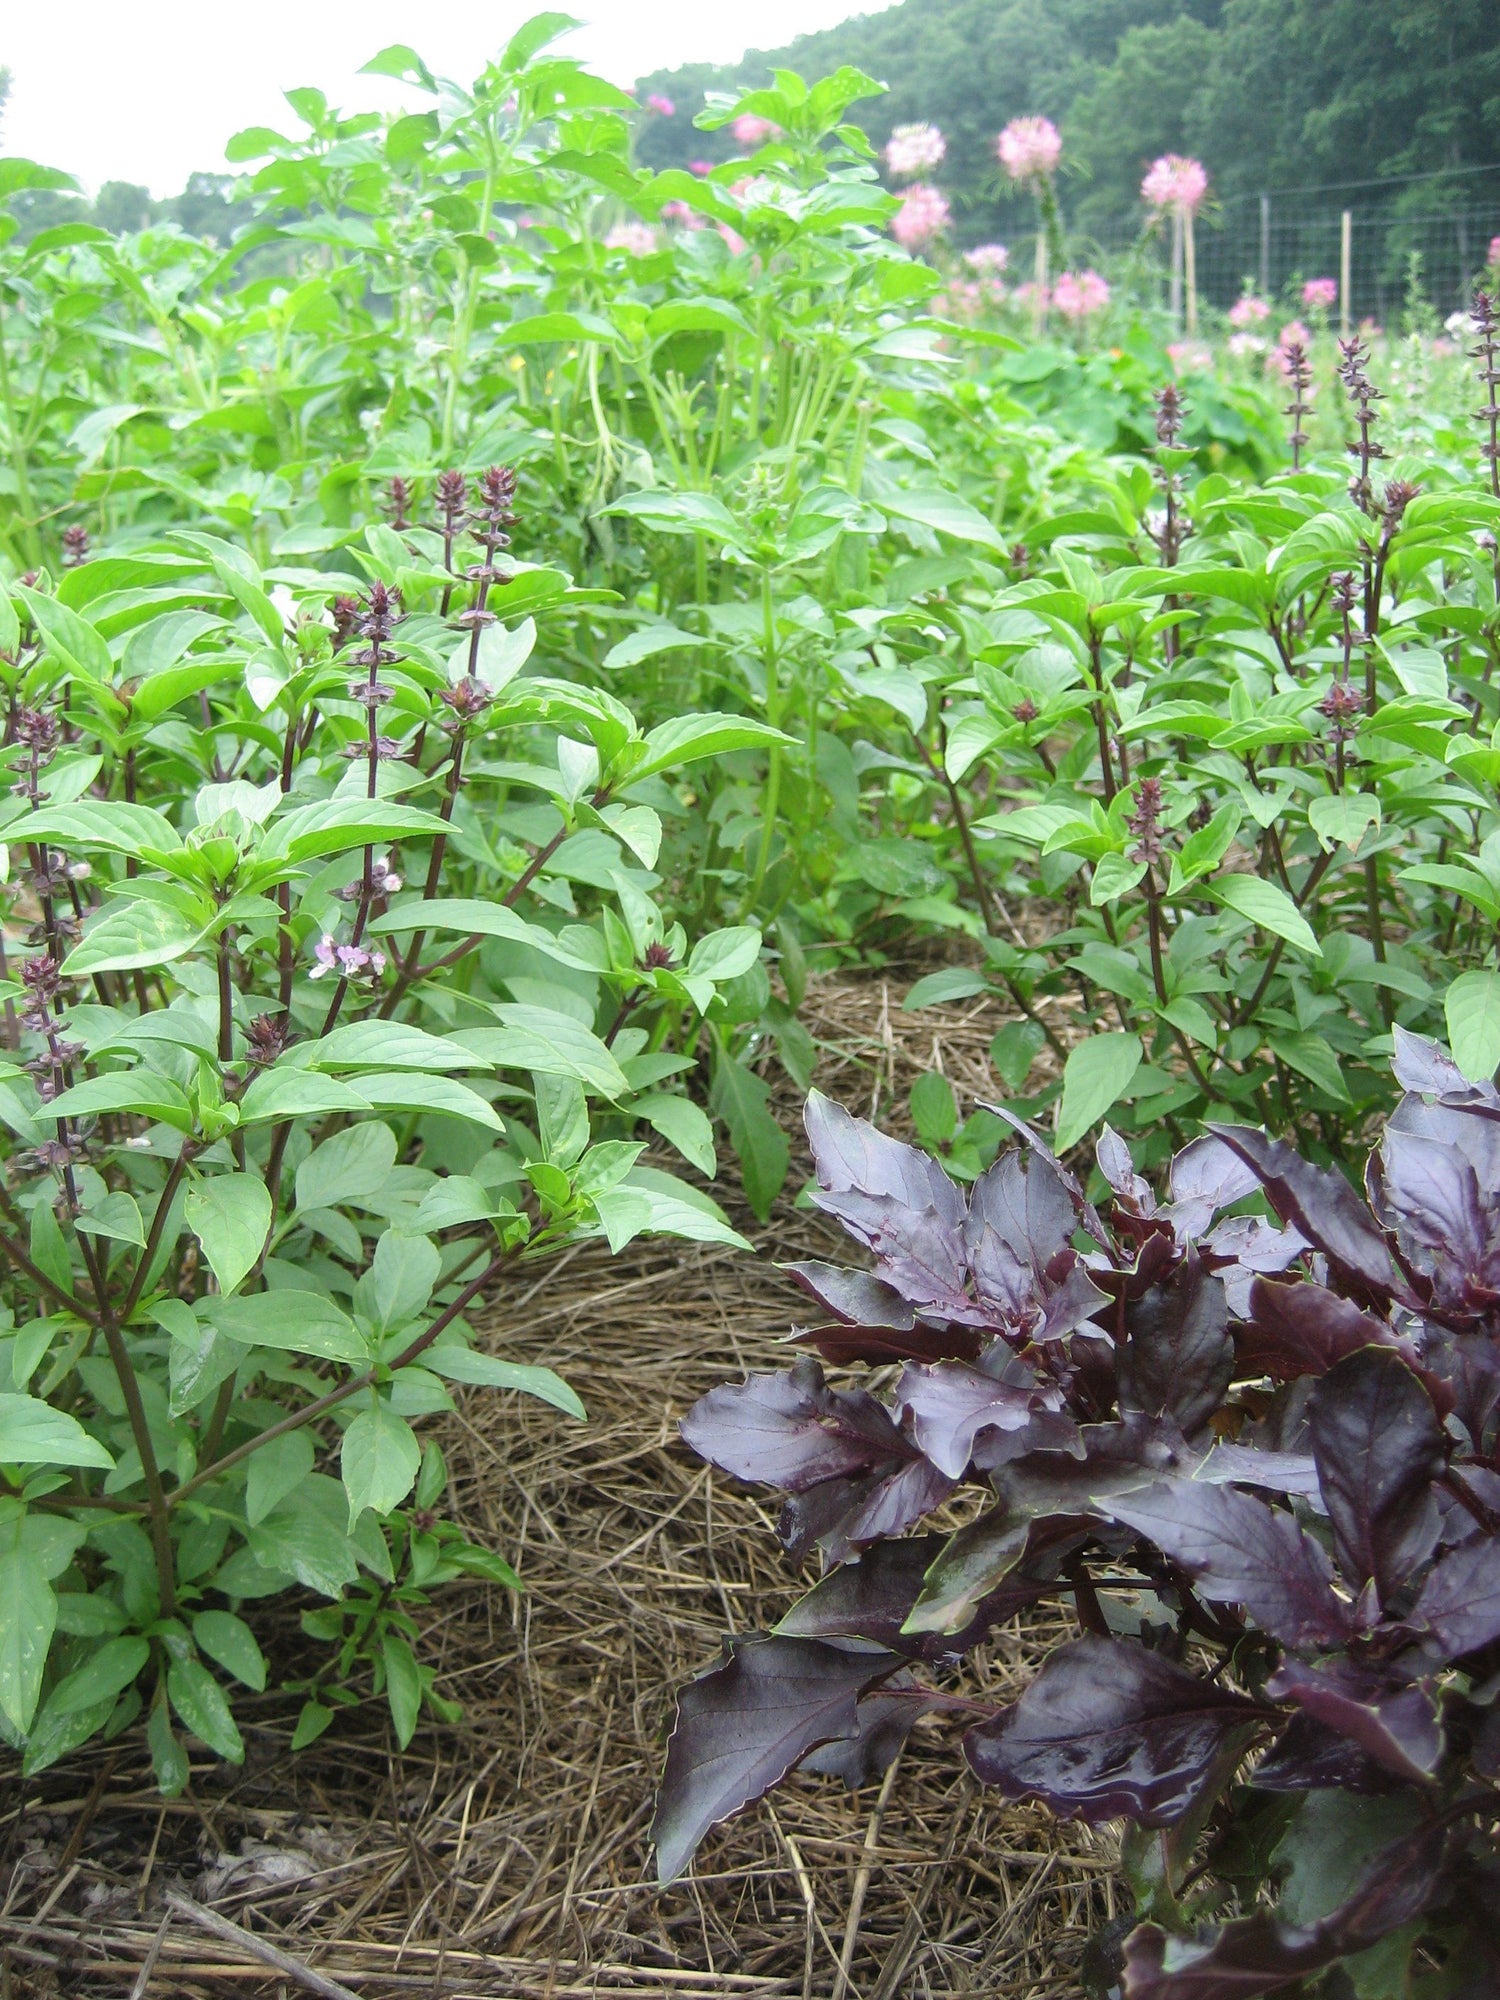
{"x":509,"y":1855}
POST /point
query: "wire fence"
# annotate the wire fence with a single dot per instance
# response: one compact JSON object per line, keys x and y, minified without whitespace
{"x":1388,"y":250}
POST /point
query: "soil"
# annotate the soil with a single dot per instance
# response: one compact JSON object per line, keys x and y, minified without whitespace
{"x":508,"y":1855}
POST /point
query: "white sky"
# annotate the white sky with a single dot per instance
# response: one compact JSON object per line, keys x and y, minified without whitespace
{"x":150,"y":90}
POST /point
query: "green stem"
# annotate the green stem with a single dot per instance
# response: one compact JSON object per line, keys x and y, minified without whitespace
{"x":772,"y":797}
{"x":31,"y":540}
{"x":311,"y":1411}
{"x":140,"y":1431}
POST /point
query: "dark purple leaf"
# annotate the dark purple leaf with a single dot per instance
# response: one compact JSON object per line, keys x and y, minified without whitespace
{"x":1302,"y":1329}
{"x":883,"y":1720}
{"x":896,"y":1201}
{"x":1378,"y":1446}
{"x":1156,"y":1253}
{"x":982,"y":1571}
{"x":1020,"y":1217}
{"x":1242,"y":1246}
{"x":791,"y":1430}
{"x":1293,"y":1472}
{"x":1070,"y":1302}
{"x":1460,"y":1601}
{"x":917,"y":1252}
{"x":841,"y":1346}
{"x":1047,"y":1430}
{"x":1109,"y":1729}
{"x":867,"y":1599}
{"x":1108,"y":1459}
{"x":1206,"y":1176}
{"x":1117,"y":1167}
{"x":1240,"y":1551}
{"x":1018,"y":1244}
{"x":1425,"y":1066}
{"x":1084,"y":1209}
{"x":843,"y":1515}
{"x":893,"y":1505}
{"x":1091,"y":1375}
{"x":1427,"y":1193}
{"x":743,"y":1725}
{"x":1486,"y":1751}
{"x":1324,"y":1208}
{"x":951,"y":1405}
{"x":1474,"y":1384}
{"x":1395,"y":1724}
{"x":814,"y":1517}
{"x":858,"y":1298}
{"x":1470,"y":1125}
{"x":1257,"y":1954}
{"x":1178,"y":1358}
{"x":852,"y":1157}
{"x":875,"y":1323}
{"x":1308,"y":1756}
{"x":872,"y":1598}
{"x":1479,"y":1483}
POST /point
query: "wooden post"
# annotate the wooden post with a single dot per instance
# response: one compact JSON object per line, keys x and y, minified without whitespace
{"x":1175,"y":296}
{"x":1346,"y":266}
{"x":1190,"y":263}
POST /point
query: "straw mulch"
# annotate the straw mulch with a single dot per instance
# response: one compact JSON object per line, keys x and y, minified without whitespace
{"x":509,"y":1856}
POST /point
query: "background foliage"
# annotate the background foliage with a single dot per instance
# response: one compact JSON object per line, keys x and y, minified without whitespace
{"x":1271,"y":93}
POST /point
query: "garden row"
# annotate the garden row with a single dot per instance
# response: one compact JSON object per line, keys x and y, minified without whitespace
{"x":471,"y":651}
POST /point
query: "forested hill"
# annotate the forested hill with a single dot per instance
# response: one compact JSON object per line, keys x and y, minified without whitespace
{"x":1270,"y":94}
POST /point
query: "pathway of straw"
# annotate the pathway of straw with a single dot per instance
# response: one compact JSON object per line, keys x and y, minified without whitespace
{"x":508,"y":1856}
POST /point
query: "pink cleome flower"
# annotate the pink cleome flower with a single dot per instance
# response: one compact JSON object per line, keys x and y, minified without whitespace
{"x":750,"y":131}
{"x":662,"y":106}
{"x":1249,"y":311}
{"x":1494,"y":257}
{"x":1031,"y":296}
{"x":987,"y":257}
{"x":1188,"y":355}
{"x":1245,"y":345}
{"x":1029,"y":148}
{"x":1079,"y":294}
{"x":967,"y":298}
{"x":922,"y":215}
{"x":702,"y":168}
{"x":1318,"y":294}
{"x":1293,"y":334}
{"x":679,"y":212}
{"x":632,"y":237}
{"x":912,"y":149}
{"x":737,"y":244}
{"x":1176,"y":184}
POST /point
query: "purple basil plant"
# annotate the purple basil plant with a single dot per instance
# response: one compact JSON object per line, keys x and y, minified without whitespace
{"x":1260,"y":1457}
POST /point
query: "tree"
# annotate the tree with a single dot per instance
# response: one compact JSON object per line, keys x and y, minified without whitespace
{"x":204,"y":208}
{"x":1271,"y":94}
{"x":122,"y":207}
{"x":1301,"y":92}
{"x":1137,"y":109}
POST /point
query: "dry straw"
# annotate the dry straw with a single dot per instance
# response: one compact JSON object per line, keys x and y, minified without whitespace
{"x":508,"y":1856}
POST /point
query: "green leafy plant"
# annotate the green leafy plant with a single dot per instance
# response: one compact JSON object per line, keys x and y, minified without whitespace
{"x":304,"y":1057}
{"x":1254,"y":775}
